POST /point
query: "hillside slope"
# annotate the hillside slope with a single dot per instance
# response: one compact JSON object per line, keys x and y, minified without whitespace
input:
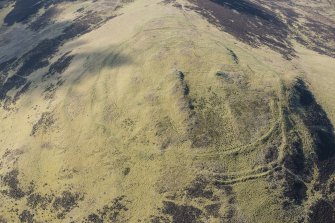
{"x":167,"y":111}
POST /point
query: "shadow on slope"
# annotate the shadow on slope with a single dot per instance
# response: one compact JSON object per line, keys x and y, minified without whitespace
{"x":23,"y":10}
{"x":39,"y":57}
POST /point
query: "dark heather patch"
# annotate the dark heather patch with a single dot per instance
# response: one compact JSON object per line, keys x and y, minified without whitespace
{"x":44,"y":19}
{"x":3,"y":4}
{"x":35,"y":200}
{"x":33,"y":60}
{"x":43,"y":123}
{"x":319,"y":126}
{"x":80,"y":10}
{"x":22,"y":10}
{"x":185,"y":87}
{"x":182,"y":213}
{"x":223,"y":75}
{"x":11,"y":181}
{"x":112,"y":212}
{"x":2,"y":219}
{"x":23,"y":90}
{"x":295,"y":161}
{"x":295,"y":190}
{"x":271,"y":154}
{"x":173,"y":2}
{"x":233,"y":55}
{"x":40,"y":55}
{"x":5,"y":67}
{"x":14,"y":82}
{"x":317,"y":39}
{"x":26,"y":216}
{"x":248,"y":22}
{"x":186,"y":90}
{"x":228,"y":190}
{"x":198,"y":189}
{"x":160,"y":219}
{"x":60,"y":65}
{"x":313,"y":34}
{"x":322,"y":212}
{"x":25,"y":9}
{"x":50,"y":90}
{"x":213,"y":210}
{"x":126,"y":171}
{"x":248,"y":8}
{"x":94,"y":218}
{"x":66,"y":202}
{"x":169,"y":1}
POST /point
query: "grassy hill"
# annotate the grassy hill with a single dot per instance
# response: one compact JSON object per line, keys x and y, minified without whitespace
{"x":167,"y":111}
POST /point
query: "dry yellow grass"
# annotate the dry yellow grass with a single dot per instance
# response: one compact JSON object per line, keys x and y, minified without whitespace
{"x":120,"y":124}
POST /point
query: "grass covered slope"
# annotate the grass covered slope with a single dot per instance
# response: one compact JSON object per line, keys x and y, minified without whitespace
{"x":145,"y":111}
